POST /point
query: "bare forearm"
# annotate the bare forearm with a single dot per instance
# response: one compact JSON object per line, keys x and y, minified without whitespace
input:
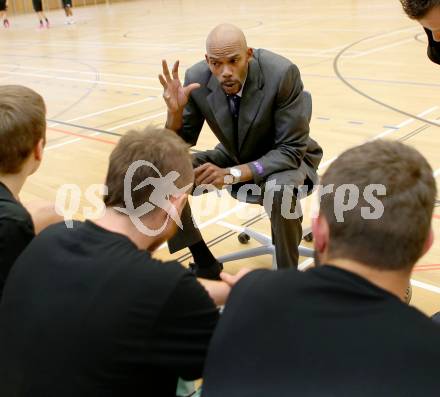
{"x":43,"y":214}
{"x":217,"y":290}
{"x":174,"y":121}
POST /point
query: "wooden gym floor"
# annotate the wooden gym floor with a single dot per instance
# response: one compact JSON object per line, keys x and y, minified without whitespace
{"x":364,"y":63}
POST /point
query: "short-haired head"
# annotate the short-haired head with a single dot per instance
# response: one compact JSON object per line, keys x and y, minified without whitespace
{"x":417,"y":9}
{"x":161,"y":148}
{"x":398,"y":238}
{"x":426,"y":12}
{"x":22,"y":126}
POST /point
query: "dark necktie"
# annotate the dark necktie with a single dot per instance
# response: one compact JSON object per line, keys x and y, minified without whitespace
{"x":234,"y":106}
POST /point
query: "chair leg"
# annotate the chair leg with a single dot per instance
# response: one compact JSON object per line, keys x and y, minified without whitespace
{"x":248,"y":253}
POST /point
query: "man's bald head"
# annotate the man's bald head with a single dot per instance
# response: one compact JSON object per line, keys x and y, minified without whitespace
{"x":228,"y":56}
{"x":225,"y":36}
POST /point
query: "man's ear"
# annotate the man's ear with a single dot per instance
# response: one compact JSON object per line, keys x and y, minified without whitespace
{"x":39,"y":150}
{"x":429,"y":241}
{"x":321,"y":233}
{"x":250,"y":52}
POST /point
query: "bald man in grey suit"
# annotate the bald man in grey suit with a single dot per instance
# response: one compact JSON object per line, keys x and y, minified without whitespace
{"x":253,"y":101}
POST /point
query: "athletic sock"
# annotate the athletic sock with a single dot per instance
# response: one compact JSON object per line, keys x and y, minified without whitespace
{"x":202,"y":255}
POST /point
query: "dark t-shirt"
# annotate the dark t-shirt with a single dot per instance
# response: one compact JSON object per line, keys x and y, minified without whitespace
{"x":86,"y":313}
{"x":324,"y":332}
{"x":433,"y":48}
{"x":16,"y":232}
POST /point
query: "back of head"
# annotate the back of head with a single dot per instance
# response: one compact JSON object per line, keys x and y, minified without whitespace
{"x":395,"y":239}
{"x":417,"y":9}
{"x":22,"y":125}
{"x":160,"y":151}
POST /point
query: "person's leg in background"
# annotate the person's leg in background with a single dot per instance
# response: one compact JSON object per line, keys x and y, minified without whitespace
{"x":4,"y":13}
{"x":38,"y":8}
{"x":67,"y":5}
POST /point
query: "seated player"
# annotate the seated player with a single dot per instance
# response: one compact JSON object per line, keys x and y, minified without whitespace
{"x":38,"y":8}
{"x":427,"y":13}
{"x":88,"y":311}
{"x":22,"y":138}
{"x":340,"y":329}
{"x":4,"y":13}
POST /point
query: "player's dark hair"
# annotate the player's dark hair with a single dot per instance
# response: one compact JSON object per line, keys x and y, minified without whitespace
{"x":396,"y":240}
{"x":160,"y":147}
{"x":417,"y":9}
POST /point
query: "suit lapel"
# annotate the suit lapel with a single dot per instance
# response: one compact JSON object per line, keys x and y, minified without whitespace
{"x":219,"y":106}
{"x":250,"y":100}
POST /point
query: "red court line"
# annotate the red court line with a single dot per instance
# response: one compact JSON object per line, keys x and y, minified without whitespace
{"x":427,"y":267}
{"x":92,"y":138}
{"x":431,"y":269}
{"x":433,"y":265}
{"x":436,"y":216}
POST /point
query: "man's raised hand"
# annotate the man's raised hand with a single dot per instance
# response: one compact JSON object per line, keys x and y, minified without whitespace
{"x":175,"y":95}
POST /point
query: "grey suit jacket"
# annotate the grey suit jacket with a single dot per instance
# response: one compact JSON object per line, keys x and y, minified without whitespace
{"x":273,"y":125}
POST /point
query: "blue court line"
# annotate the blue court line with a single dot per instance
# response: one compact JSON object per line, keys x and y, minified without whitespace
{"x":356,"y":122}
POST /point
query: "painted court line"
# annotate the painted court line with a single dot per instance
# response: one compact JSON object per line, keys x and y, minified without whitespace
{"x":70,"y":141}
{"x":153,"y":116}
{"x":101,"y":82}
{"x":381,"y":48}
{"x":50,"y":147}
{"x":216,"y":219}
{"x":426,"y":286}
{"x":125,"y":76}
{"x":385,"y":133}
{"x":126,"y":105}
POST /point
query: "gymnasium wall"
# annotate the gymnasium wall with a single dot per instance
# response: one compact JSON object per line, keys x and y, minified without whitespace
{"x":25,"y":6}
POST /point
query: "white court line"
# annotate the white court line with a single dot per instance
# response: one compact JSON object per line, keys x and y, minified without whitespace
{"x":437,"y":173}
{"x":110,"y":129}
{"x":128,"y":76}
{"x":45,"y":76}
{"x":57,"y":145}
{"x":387,"y":132}
{"x":218,"y":218}
{"x":426,"y":286}
{"x":384,"y":47}
{"x":305,"y":264}
{"x":153,"y":116}
{"x":126,"y":105}
{"x":394,"y":32}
